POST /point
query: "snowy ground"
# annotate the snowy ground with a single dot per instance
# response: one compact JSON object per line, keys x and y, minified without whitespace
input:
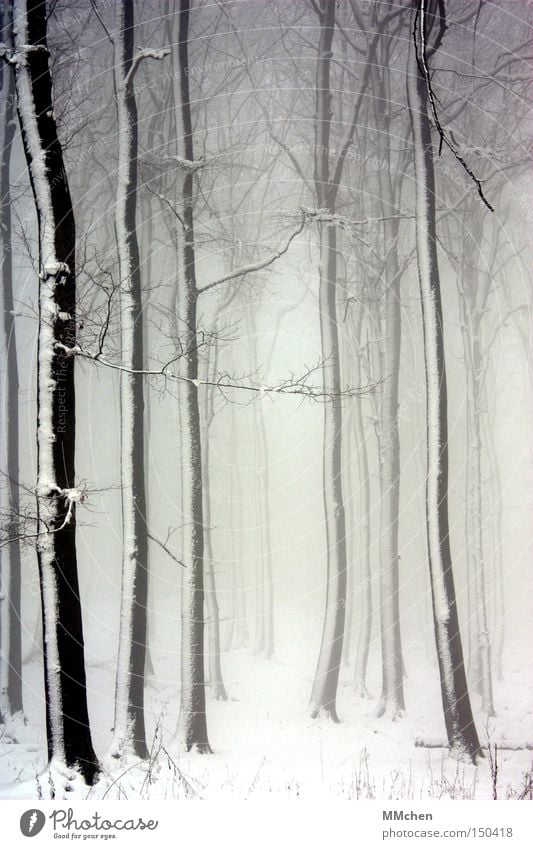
{"x":265,"y":744}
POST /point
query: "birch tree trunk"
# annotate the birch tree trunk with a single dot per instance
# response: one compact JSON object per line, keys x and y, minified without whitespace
{"x":192,"y":724}
{"x":10,"y":576}
{"x":460,"y":727}
{"x":324,"y":692}
{"x":67,"y":722}
{"x":129,"y":729}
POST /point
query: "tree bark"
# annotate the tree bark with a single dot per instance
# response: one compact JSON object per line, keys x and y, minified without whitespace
{"x":68,"y":732}
{"x":129,"y":730}
{"x":192,"y":723}
{"x":324,"y":692}
{"x":10,"y":591}
{"x":479,"y":646}
{"x":392,"y":697}
{"x":460,"y":727}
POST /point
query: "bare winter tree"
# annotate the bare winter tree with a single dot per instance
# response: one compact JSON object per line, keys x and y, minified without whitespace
{"x":392,"y":697}
{"x":10,"y":564}
{"x":323,"y":696}
{"x":429,"y":20}
{"x":192,"y":724}
{"x":68,"y":734}
{"x":129,"y":731}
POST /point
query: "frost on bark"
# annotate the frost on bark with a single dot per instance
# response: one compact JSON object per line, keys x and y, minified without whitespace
{"x":10,"y":577}
{"x":129,"y":728}
{"x":460,"y":727}
{"x":192,"y":723}
{"x":68,"y":733}
{"x":324,"y":692}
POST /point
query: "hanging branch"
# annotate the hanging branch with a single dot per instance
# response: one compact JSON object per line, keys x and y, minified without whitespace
{"x":421,"y":58}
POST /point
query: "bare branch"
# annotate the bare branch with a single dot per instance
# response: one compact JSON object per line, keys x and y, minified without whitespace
{"x":144,"y":53}
{"x":290,"y":386}
{"x":255,"y":266}
{"x":166,"y":549}
{"x":421,"y":58}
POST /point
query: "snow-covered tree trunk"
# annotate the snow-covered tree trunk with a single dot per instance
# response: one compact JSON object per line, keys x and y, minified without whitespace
{"x":68,"y":733}
{"x":324,"y":692}
{"x":129,"y":726}
{"x":459,"y":721}
{"x":192,"y":722}
{"x":10,"y":564}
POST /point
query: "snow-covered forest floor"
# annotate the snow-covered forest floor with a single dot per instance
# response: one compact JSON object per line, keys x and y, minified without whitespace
{"x":265,"y":744}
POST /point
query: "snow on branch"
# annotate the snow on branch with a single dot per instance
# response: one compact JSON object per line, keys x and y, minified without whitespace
{"x":188,"y":164}
{"x":293,"y":385}
{"x":13,"y":57}
{"x":421,"y":58}
{"x":71,"y":496}
{"x":144,"y":53}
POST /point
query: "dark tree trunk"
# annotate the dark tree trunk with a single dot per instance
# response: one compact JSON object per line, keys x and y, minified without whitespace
{"x":68,"y":733}
{"x":192,"y":724}
{"x":324,"y":693}
{"x":129,"y":730}
{"x":460,"y":727}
